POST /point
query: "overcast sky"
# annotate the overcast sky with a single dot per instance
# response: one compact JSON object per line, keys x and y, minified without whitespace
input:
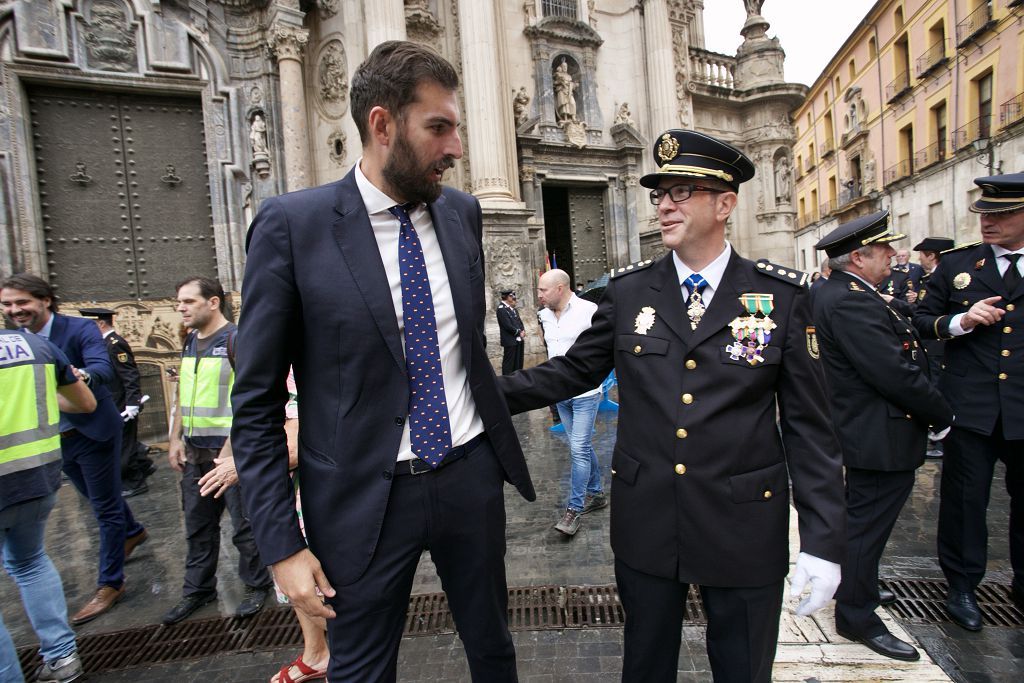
{"x":811,"y":31}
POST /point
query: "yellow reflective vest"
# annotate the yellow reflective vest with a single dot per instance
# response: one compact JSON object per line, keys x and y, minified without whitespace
{"x":204,"y":387}
{"x":29,"y":416}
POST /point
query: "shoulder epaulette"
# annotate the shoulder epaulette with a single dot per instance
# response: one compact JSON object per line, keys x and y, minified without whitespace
{"x":631,"y":268}
{"x":855,"y":287}
{"x":793,"y":277}
{"x":961,"y":247}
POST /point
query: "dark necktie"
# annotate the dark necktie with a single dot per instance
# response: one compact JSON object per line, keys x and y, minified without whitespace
{"x":1012,"y":276}
{"x":429,"y":431}
{"x":695,"y":284}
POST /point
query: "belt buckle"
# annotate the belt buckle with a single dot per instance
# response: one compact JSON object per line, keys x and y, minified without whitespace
{"x":412,"y":467}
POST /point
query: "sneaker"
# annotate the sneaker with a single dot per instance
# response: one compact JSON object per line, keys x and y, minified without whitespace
{"x":594,"y":502}
{"x":570,"y":522}
{"x":253,"y":601}
{"x":188,"y":605}
{"x":61,"y":670}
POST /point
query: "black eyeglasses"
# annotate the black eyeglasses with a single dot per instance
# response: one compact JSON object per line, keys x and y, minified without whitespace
{"x":679,"y":193}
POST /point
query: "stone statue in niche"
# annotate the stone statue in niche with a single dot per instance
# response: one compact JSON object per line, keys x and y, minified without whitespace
{"x":753,"y":7}
{"x":783,"y":178}
{"x":333,"y":83}
{"x":258,"y":137}
{"x":520,"y":102}
{"x":565,"y":93}
{"x":624,"y":116}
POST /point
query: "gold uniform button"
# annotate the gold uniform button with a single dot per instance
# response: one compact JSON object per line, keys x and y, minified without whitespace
{"x":1003,"y":375}
{"x":680,"y":469}
{"x":614,"y":472}
{"x":1005,"y":353}
{"x":687,"y":399}
{"x":681,"y":434}
{"x":1007,"y":330}
{"x":637,"y":349}
{"x":767,"y":495}
{"x":908,"y":417}
{"x":691,"y":364}
{"x":1010,"y":307}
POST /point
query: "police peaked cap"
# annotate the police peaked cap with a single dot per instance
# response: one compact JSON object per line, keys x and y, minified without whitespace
{"x":860,"y":232}
{"x":100,"y":313}
{"x":935,"y":244}
{"x":999,"y":194}
{"x":696,"y":156}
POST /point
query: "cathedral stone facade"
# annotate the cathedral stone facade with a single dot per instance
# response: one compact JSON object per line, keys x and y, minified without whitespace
{"x":138,"y":137}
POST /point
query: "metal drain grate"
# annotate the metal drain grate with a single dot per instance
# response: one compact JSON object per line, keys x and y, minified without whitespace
{"x":919,"y":601}
{"x":531,"y":608}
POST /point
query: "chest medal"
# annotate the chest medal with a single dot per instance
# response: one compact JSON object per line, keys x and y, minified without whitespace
{"x":752,"y":332}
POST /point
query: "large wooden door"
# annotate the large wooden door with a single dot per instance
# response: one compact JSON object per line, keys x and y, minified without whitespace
{"x":586,"y":221}
{"x":124,"y":192}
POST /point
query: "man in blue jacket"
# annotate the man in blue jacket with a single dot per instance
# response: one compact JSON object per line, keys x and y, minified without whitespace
{"x":90,"y":444}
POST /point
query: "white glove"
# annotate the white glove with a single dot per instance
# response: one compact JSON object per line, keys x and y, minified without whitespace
{"x":130,"y":413}
{"x":824,"y":577}
{"x":938,"y":436}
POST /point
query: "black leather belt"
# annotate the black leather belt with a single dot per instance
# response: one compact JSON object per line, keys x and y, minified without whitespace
{"x":68,"y":433}
{"x":417,"y":466}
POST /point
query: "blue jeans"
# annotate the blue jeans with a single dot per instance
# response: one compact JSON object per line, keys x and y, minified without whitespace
{"x":42,"y":594}
{"x":578,"y":415}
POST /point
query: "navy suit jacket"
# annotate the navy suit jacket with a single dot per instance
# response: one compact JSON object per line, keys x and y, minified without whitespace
{"x":82,"y":343}
{"x":316,"y":297}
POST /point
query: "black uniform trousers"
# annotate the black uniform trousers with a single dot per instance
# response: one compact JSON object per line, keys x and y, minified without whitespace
{"x":457,"y":512}
{"x":743,"y":628}
{"x":512,"y":358}
{"x":873,"y":503}
{"x":967,"y":469}
{"x":202,"y":534}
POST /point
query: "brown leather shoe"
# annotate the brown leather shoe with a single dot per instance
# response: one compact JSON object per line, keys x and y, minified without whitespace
{"x":133,"y":542}
{"x":101,"y":602}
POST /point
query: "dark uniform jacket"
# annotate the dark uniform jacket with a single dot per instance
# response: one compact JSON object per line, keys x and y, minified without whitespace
{"x":901,"y":280}
{"x":509,"y":325}
{"x":983,"y":371}
{"x":125,"y":389}
{"x":700,"y":489}
{"x":881,"y":397}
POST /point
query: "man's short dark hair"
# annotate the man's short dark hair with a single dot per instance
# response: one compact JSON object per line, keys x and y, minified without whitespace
{"x":34,"y":285}
{"x":208,"y":288}
{"x":389,"y":78}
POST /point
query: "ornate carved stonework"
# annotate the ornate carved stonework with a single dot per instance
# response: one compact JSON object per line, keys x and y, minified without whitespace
{"x":681,"y":58}
{"x":287,"y":42}
{"x":110,"y":38}
{"x":575,"y":133}
{"x":332,"y":79}
{"x":328,"y":8}
{"x":503,"y":258}
{"x":337,"y":142}
{"x":421,"y":25}
{"x":527,"y":173}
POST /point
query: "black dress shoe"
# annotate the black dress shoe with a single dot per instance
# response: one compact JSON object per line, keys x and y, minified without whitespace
{"x":188,"y":605}
{"x":253,"y":601}
{"x":885,"y":596}
{"x":963,"y":610}
{"x":135,"y":489}
{"x":886,"y":645}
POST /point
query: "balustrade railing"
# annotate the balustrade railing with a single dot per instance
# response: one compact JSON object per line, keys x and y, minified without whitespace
{"x":712,"y":68}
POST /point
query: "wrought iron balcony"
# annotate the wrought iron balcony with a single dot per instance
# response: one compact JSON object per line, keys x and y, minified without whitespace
{"x":1011,"y":111}
{"x":828,"y":148}
{"x":978,"y":129}
{"x":898,"y":86}
{"x":851,"y":191}
{"x":898,"y":171}
{"x":559,"y":8}
{"x":806,"y":219}
{"x":933,"y":57}
{"x":828,"y":207}
{"x":976,"y":22}
{"x":932,"y":154}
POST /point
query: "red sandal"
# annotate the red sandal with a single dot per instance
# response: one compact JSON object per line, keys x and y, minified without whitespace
{"x":307,"y":672}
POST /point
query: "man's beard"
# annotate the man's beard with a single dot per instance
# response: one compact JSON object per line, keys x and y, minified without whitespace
{"x":409,"y":179}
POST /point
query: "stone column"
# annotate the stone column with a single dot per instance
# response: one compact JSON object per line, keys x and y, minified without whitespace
{"x":385,"y":20}
{"x":288,"y":43}
{"x":488,"y":112}
{"x":661,"y":74}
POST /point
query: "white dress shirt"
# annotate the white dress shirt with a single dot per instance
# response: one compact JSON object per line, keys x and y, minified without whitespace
{"x":712,"y":274}
{"x":560,"y":332}
{"x":462,"y":415}
{"x":1002,"y":264}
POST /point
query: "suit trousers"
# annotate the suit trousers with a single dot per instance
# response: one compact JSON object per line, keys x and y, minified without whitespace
{"x":967,"y":469}
{"x":456,"y":512}
{"x":873,"y":503}
{"x":202,"y":535}
{"x":743,"y":628}
{"x":94,"y":467}
{"x":512,"y":358}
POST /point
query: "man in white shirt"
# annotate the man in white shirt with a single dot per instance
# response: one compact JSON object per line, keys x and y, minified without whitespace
{"x":563,"y":317}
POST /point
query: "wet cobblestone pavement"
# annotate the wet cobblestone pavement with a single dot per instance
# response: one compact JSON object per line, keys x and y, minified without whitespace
{"x":537,"y":555}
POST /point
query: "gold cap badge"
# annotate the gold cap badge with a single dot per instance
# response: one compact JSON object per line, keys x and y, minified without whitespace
{"x":668,"y":148}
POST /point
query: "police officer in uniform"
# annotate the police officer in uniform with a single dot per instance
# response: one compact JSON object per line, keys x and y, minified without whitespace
{"x":930,"y":251}
{"x":705,"y":345}
{"x":127,"y":394}
{"x":904,"y":279}
{"x":882,"y":405}
{"x":975,"y":301}
{"x":512,"y":333}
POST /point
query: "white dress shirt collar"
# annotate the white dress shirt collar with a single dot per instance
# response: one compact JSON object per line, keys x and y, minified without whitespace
{"x":712,"y":273}
{"x":47,"y":329}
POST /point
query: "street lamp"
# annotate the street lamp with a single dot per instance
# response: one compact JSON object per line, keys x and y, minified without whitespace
{"x":986,"y":152}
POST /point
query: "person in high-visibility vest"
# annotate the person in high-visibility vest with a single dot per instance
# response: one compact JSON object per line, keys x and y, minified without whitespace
{"x":36,"y":383}
{"x":199,"y":445}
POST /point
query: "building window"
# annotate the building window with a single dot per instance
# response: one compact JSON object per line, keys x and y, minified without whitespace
{"x":984,"y":85}
{"x":853,"y":70}
{"x":560,"y":8}
{"x":897,"y":19}
{"x":939,"y":120}
{"x":872,"y":48}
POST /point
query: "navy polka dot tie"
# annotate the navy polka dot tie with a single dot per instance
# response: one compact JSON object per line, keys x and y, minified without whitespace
{"x":695,"y":285}
{"x":429,"y":430}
